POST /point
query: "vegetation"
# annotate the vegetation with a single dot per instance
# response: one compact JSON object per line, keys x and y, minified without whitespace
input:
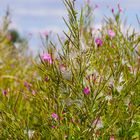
{"x":90,"y":90}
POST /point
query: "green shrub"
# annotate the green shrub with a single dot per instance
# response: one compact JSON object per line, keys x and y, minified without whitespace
{"x":88,"y":90}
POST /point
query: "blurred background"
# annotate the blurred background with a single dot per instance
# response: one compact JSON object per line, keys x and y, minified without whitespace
{"x":32,"y":18}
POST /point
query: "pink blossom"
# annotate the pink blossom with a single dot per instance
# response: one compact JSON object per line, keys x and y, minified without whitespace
{"x":86,"y":90}
{"x":33,"y":92}
{"x":46,"y":79}
{"x":120,"y":9}
{"x":112,"y":10}
{"x":96,"y":6}
{"x":112,"y":138}
{"x":47,"y":57}
{"x":46,"y":33}
{"x":27,"y":85}
{"x":53,"y":127}
{"x":4,"y":92}
{"x":98,"y":41}
{"x":111,"y":33}
{"x":9,"y":37}
{"x":55,"y":116}
{"x":62,"y":67}
{"x":98,"y":123}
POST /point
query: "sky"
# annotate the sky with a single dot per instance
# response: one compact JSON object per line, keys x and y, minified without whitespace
{"x":34,"y":17}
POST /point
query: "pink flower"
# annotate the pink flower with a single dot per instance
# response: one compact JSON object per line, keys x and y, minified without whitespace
{"x":53,"y":127}
{"x":62,"y":67}
{"x":55,"y":116}
{"x":9,"y":37}
{"x":120,"y":9}
{"x":46,"y":33}
{"x":27,"y":85}
{"x":47,"y":57}
{"x":98,"y":123}
{"x":96,"y":6}
{"x":46,"y":79}
{"x":86,"y":90}
{"x":112,"y":138}
{"x":4,"y":92}
{"x":33,"y":92}
{"x":111,"y":33}
{"x":112,"y":10}
{"x":98,"y":41}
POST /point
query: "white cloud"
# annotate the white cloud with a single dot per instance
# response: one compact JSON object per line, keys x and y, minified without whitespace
{"x":40,"y":12}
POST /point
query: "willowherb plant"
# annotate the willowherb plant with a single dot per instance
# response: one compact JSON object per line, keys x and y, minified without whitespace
{"x":93,"y":84}
{"x":15,"y":71}
{"x":88,"y":90}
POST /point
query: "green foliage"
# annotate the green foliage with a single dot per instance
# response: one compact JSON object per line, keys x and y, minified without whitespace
{"x":85,"y":91}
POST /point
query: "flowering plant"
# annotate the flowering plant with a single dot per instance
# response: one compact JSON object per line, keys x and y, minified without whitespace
{"x":88,"y":90}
